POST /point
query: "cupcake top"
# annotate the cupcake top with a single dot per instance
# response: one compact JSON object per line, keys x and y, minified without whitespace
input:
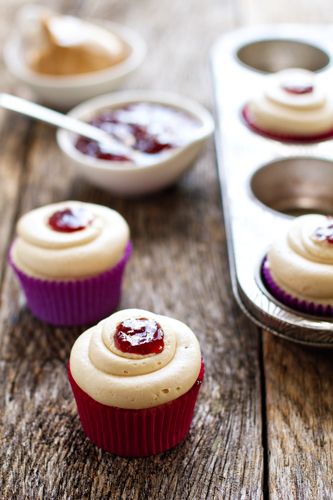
{"x":69,"y":240}
{"x":301,"y":261}
{"x":292,"y":103}
{"x":136,"y":359}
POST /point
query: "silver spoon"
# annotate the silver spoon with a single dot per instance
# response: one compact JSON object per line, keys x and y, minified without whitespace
{"x":66,"y":122}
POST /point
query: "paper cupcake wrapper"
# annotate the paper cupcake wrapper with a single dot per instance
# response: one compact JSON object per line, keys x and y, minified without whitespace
{"x":136,"y":433}
{"x":283,"y":137}
{"x":291,"y":301}
{"x":74,"y":302}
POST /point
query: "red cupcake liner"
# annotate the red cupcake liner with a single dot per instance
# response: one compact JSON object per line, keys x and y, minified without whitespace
{"x":136,"y":433}
{"x":303,"y":139}
{"x":291,"y":301}
{"x":74,"y":302}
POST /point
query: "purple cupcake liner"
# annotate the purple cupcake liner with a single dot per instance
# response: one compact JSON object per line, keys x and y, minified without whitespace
{"x":74,"y":302}
{"x":291,"y":301}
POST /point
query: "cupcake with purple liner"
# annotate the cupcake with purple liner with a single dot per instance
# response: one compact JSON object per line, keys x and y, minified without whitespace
{"x":70,"y":258}
{"x":292,"y":106}
{"x":136,"y":377}
{"x":298,"y":269}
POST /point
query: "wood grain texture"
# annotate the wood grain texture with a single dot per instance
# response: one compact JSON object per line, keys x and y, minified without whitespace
{"x":179,"y":267}
{"x":299,"y":384}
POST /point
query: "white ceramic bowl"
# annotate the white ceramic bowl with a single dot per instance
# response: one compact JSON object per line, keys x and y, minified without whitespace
{"x":125,"y":178}
{"x":68,"y":91}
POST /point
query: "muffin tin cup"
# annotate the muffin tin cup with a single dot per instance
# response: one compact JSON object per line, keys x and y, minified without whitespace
{"x":74,"y":302}
{"x":264,"y":181}
{"x":136,"y":433}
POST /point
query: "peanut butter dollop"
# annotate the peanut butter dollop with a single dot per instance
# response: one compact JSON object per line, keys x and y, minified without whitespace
{"x":70,"y":46}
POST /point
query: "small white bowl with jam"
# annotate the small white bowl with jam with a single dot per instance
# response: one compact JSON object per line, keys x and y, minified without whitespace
{"x":66,"y":60}
{"x":165,"y":130}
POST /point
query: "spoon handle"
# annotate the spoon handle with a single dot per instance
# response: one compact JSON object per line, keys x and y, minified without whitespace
{"x":33,"y":110}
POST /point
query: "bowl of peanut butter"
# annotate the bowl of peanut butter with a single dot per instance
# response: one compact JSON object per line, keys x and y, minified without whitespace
{"x":65,"y":60}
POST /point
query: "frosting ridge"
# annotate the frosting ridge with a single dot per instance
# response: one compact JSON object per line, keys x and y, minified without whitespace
{"x":301,"y":263}
{"x":128,"y":380}
{"x":306,"y":112}
{"x":43,"y":252}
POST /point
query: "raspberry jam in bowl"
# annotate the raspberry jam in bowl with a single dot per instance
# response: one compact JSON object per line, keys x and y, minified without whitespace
{"x":165,"y":132}
{"x":148,"y":127}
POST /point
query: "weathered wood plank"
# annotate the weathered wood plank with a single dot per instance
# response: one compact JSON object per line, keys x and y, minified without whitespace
{"x":13,"y":151}
{"x":13,"y":148}
{"x":299,"y":384}
{"x":179,"y":267}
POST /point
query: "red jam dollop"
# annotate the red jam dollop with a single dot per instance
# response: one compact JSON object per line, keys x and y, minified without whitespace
{"x":325,"y":233}
{"x":150,"y":128}
{"x":139,"y":336}
{"x":298,"y":88}
{"x":69,"y":220}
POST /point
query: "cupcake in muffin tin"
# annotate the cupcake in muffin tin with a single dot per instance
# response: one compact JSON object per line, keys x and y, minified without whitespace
{"x":69,"y":258}
{"x":298,"y":269}
{"x":135,"y":377}
{"x":293,"y":106}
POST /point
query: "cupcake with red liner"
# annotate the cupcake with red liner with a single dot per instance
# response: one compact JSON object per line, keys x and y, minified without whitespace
{"x":70,"y":258}
{"x":298,"y":269}
{"x":136,"y":377}
{"x":293,"y":106}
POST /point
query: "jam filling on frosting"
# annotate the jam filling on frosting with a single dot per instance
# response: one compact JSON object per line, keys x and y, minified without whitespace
{"x":298,"y":88}
{"x":292,"y":106}
{"x":139,"y":336}
{"x":69,"y":220}
{"x":324,"y":233}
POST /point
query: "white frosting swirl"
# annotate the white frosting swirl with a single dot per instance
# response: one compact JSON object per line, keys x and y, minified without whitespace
{"x":280,"y":112}
{"x":42,"y":252}
{"x":135,"y":381}
{"x":302,"y":263}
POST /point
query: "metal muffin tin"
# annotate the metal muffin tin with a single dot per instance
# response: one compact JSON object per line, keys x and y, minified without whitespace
{"x":264,"y":182}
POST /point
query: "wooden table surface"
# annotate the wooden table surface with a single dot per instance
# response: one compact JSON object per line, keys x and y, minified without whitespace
{"x":263,"y":424}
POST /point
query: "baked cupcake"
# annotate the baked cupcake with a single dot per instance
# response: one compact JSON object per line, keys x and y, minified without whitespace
{"x":298,"y":270}
{"x":135,"y":377}
{"x":293,"y":106}
{"x":69,"y":258}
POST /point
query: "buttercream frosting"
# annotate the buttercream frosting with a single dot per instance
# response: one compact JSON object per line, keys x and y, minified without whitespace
{"x":293,"y":103}
{"x":133,"y":381}
{"x":301,"y":261}
{"x":42,"y":252}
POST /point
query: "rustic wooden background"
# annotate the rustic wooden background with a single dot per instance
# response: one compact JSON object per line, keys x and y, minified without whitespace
{"x":263,"y":425}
